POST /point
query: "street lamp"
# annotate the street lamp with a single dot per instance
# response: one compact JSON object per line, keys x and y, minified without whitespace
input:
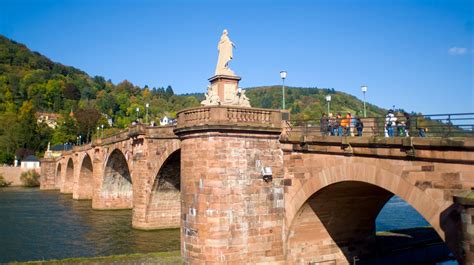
{"x":147,"y":105}
{"x":80,"y":139}
{"x":102,"y":134}
{"x":283,"y":76}
{"x":364,"y":90}
{"x":138,"y":110}
{"x":328,"y":99}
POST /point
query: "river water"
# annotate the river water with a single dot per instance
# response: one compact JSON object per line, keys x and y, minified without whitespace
{"x":42,"y":225}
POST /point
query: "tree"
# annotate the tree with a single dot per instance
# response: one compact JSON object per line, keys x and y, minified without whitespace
{"x":72,"y":92}
{"x":87,"y":120}
{"x":169,"y":92}
{"x":66,"y":131}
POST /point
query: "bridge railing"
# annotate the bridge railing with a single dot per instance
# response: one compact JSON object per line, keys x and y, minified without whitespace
{"x":229,"y":116}
{"x":436,"y":125}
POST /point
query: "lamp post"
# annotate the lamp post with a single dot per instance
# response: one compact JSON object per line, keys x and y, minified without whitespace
{"x":328,"y":99}
{"x":102,"y":133}
{"x":364,"y":90}
{"x":98,"y":132}
{"x":147,"y":105}
{"x":138,"y":110}
{"x":283,"y":76}
{"x":80,"y":139}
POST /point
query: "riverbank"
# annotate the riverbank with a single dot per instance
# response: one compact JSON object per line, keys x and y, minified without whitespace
{"x":165,"y":258}
{"x":12,"y":174}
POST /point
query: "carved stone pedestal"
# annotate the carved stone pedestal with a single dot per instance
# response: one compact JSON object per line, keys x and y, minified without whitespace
{"x":224,"y":90}
{"x":226,"y":87}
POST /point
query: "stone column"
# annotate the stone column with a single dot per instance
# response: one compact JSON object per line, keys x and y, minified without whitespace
{"x":230,"y":214}
{"x":48,"y":174}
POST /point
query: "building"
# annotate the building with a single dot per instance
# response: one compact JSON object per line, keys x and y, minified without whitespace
{"x":30,"y":161}
{"x":51,"y":119}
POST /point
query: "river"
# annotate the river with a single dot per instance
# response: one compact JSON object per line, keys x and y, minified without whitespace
{"x":42,"y":225}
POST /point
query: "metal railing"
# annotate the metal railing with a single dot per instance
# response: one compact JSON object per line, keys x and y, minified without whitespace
{"x":436,"y":125}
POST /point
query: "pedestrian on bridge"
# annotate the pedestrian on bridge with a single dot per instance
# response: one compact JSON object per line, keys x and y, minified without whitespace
{"x":332,"y":124}
{"x":324,"y":125}
{"x":346,"y":124}
{"x":359,"y":126}
{"x":390,"y":123}
{"x":338,"y":124}
{"x":407,"y":124}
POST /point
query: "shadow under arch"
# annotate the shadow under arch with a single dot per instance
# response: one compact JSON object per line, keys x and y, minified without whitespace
{"x":86,"y":181}
{"x":332,"y":215}
{"x":68,"y":177}
{"x":164,"y":205}
{"x":57,"y":177}
{"x":116,"y":189}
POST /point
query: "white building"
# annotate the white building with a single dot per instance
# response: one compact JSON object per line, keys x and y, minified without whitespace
{"x":30,"y":161}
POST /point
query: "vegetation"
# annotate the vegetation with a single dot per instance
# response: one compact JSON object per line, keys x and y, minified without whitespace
{"x":3,"y":182}
{"x":31,"y":83}
{"x":30,"y":178}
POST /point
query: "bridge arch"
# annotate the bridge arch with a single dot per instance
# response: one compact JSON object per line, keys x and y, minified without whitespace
{"x":338,"y":205}
{"x":116,"y":188}
{"x":68,"y":176}
{"x":164,"y":205}
{"x":85,"y":182}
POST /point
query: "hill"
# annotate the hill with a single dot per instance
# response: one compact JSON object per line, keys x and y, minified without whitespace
{"x":31,"y":83}
{"x":309,"y":103}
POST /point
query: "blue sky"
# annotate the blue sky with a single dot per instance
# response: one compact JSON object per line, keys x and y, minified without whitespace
{"x":417,"y":55}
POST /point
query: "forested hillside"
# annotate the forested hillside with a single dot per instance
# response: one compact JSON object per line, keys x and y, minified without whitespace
{"x":309,"y":103}
{"x":31,"y":83}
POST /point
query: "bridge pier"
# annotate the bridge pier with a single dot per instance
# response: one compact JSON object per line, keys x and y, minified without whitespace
{"x":48,"y":174}
{"x":230,"y":214}
{"x":465,"y":236}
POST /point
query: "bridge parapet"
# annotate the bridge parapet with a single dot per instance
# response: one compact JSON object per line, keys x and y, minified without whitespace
{"x":229,"y":117}
{"x":162,"y":132}
{"x":432,"y":149}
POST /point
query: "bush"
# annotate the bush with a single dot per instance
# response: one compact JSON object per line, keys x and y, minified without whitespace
{"x":3,"y":182}
{"x":30,"y":178}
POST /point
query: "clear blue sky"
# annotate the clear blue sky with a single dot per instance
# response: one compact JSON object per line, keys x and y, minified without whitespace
{"x":417,"y":55}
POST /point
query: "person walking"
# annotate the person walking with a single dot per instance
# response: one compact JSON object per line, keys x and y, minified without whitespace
{"x":324,"y":125}
{"x":407,"y":124}
{"x":390,"y":121}
{"x":332,"y":125}
{"x":338,"y":124}
{"x":359,"y":126}
{"x":346,"y":124}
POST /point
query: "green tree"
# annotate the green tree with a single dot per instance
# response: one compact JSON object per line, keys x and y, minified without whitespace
{"x":87,"y":119}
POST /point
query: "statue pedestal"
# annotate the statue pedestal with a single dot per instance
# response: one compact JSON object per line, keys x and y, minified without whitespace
{"x":226,"y":87}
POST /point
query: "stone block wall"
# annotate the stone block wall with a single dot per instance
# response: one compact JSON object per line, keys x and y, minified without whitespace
{"x":12,"y":174}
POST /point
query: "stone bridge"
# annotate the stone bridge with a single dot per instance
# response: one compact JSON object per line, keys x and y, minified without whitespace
{"x":246,"y":188}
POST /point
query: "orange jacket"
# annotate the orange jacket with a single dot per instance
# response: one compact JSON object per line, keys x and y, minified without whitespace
{"x":345,"y":122}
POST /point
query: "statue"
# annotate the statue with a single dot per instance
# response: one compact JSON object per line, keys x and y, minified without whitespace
{"x":240,"y":99}
{"x":224,"y":47}
{"x":211,"y":98}
{"x":243,"y":99}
